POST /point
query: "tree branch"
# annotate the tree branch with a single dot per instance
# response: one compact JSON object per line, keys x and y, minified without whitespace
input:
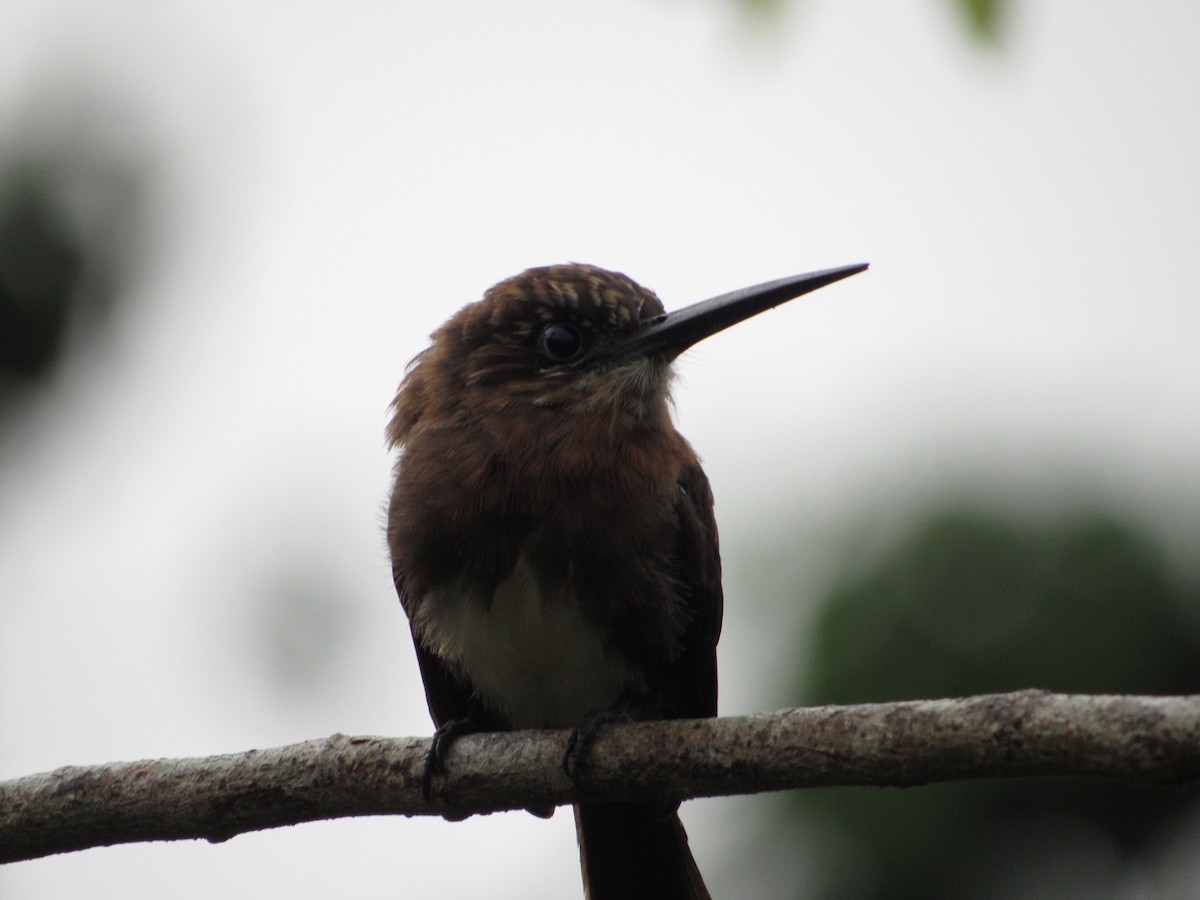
{"x":1027,"y":733}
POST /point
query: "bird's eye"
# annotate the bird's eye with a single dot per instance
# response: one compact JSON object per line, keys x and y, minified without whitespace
{"x":560,"y":343}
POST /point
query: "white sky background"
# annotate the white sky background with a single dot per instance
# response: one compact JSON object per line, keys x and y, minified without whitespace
{"x":337,"y":179}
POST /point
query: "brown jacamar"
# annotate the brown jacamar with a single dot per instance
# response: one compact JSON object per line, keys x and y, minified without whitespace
{"x":552,"y":535}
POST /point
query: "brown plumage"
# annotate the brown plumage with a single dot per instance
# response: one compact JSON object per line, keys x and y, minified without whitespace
{"x":552,"y":535}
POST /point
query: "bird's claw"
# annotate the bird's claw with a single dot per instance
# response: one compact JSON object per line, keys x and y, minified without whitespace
{"x":435,"y":759}
{"x":575,"y":762}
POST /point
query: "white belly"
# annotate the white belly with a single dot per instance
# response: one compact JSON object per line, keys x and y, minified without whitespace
{"x":530,"y":655}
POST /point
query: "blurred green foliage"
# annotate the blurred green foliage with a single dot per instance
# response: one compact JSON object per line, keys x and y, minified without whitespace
{"x":966,"y":604}
{"x":40,"y":264}
{"x":73,"y":208}
{"x":981,"y":16}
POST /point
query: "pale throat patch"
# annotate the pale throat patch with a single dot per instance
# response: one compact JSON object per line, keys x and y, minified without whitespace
{"x":531,"y":655}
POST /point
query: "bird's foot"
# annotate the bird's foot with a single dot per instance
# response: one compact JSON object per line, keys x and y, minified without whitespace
{"x":446,"y":734}
{"x":575,"y":762}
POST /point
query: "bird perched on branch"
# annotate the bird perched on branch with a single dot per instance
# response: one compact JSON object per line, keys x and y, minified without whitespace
{"x":552,"y":535}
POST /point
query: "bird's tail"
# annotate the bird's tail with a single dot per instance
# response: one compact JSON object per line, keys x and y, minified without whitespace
{"x":635,"y":852}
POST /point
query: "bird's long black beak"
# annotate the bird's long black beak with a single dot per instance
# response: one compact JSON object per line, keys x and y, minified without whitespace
{"x":670,"y":334}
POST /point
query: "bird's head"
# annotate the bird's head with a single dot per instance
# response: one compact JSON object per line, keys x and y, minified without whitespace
{"x":568,"y":340}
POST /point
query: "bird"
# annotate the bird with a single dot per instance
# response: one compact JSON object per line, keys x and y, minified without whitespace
{"x":552,"y":536}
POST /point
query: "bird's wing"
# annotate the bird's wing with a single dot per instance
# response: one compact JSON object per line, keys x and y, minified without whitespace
{"x":693,"y":689}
